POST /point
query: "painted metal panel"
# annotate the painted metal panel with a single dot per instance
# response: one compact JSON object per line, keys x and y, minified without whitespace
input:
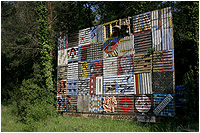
{"x":110,"y":66}
{"x":163,"y":82}
{"x":62,"y":73}
{"x":62,"y":57}
{"x":142,"y":63}
{"x":84,"y":36}
{"x":96,"y":68}
{"x":61,"y":87}
{"x":125,"y":104}
{"x":61,"y":103}
{"x":109,"y":85}
{"x":110,"y":48}
{"x":110,"y":104}
{"x":72,"y":86}
{"x":96,"y":85}
{"x":125,"y":64}
{"x":84,"y":86}
{"x":84,"y":69}
{"x":109,"y":32}
{"x":62,"y":42}
{"x":100,"y":33}
{"x":163,"y":105}
{"x":93,"y":85}
{"x":126,"y":45}
{"x":72,"y":103}
{"x":73,"y":39}
{"x":93,"y":34}
{"x":143,"y":83}
{"x":96,"y":51}
{"x":72,"y":54}
{"x":84,"y":52}
{"x":96,"y":104}
{"x":163,"y":60}
{"x":72,"y":70}
{"x":83,"y":103}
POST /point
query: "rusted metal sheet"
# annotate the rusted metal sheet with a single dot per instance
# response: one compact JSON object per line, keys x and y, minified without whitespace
{"x":72,"y":54}
{"x":72,"y":86}
{"x":96,"y":68}
{"x":61,"y":87}
{"x":62,"y":73}
{"x":163,"y":60}
{"x":93,"y":34}
{"x":84,"y":36}
{"x":72,"y":103}
{"x":96,"y":85}
{"x":62,"y":57}
{"x":84,"y":70}
{"x":143,"y":83}
{"x":84,"y":52}
{"x":84,"y":86}
{"x":110,"y":48}
{"x":83,"y":103}
{"x":72,"y":70}
{"x":126,"y":46}
{"x":143,"y":104}
{"x":110,"y":66}
{"x":62,"y":42}
{"x":163,"y":82}
{"x":100,"y":33}
{"x":96,"y":51}
{"x":163,"y":105}
{"x":61,"y":103}
{"x":96,"y":104}
{"x":125,"y":64}
{"x":73,"y":39}
{"x":109,"y":32}
{"x":142,"y":63}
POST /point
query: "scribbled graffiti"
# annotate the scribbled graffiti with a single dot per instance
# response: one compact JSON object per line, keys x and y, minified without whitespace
{"x":109,"y":104}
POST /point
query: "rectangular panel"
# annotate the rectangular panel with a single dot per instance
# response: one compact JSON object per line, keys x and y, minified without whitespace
{"x":125,"y":84}
{"x":84,"y":86}
{"x":110,"y":66}
{"x":93,"y":34}
{"x":61,"y":102}
{"x":61,"y":87}
{"x":84,"y":52}
{"x":125,"y":64}
{"x":109,"y":32}
{"x":93,"y":85}
{"x":73,"y":39}
{"x":72,"y":70}
{"x":62,"y":57}
{"x":96,"y":68}
{"x":72,"y":54}
{"x":62,"y":42}
{"x":163,"y":60}
{"x":83,"y":103}
{"x":72,"y":103}
{"x":110,"y":48}
{"x":109,"y":85}
{"x":163,"y":105}
{"x":125,"y":104}
{"x":84,"y":69}
{"x":126,"y":26}
{"x":62,"y":73}
{"x":72,"y":86}
{"x":100,"y":33}
{"x":96,"y":104}
{"x":99,"y":85}
{"x":84,"y":36}
{"x":96,"y":51}
{"x":142,"y":63}
{"x":110,"y":103}
{"x":126,"y":46}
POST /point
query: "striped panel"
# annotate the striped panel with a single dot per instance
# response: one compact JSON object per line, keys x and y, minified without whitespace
{"x":125,"y":84}
{"x":72,"y":103}
{"x":143,"y":104}
{"x":126,"y":46}
{"x":142,"y":63}
{"x":163,"y":105}
{"x":84,"y":69}
{"x":83,"y":103}
{"x":93,"y":34}
{"x":96,"y":68}
{"x":142,"y":23}
{"x":96,"y":51}
{"x":100,"y":33}
{"x":125,"y":104}
{"x":163,"y":60}
{"x":72,"y":54}
{"x":143,"y":42}
{"x":125,"y":64}
{"x":72,"y":70}
{"x":73,"y":40}
{"x":72,"y":86}
{"x":110,"y":66}
{"x":108,"y":31}
{"x":163,"y":82}
{"x":143,"y":83}
{"x":62,"y":73}
{"x":84,"y":52}
{"x":61,"y":87}
{"x":110,"y":48}
{"x":84,"y":36}
{"x":110,"y":85}
{"x":61,"y":103}
{"x":62,"y":57}
{"x":96,"y":85}
{"x":96,"y":104}
{"x":62,"y":42}
{"x":84,"y":86}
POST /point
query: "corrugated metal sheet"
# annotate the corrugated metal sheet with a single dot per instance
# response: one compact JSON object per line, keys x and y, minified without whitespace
{"x":72,"y":103}
{"x":72,"y":70}
{"x":93,"y":34}
{"x":73,"y":39}
{"x":100,"y":33}
{"x":108,"y":31}
{"x":96,"y":51}
{"x":126,"y":46}
{"x":163,"y":105}
{"x":163,"y":82}
{"x":84,"y":52}
{"x":163,"y":60}
{"x":72,"y":86}
{"x":109,"y":85}
{"x":93,"y":85}
{"x":62,"y":42}
{"x":61,"y":87}
{"x":110,"y":66}
{"x":84,"y":86}
{"x":84,"y":69}
{"x":142,"y":63}
{"x":110,"y":48}
{"x":84,"y":36}
{"x":125,"y":104}
{"x":62,"y":57}
{"x":96,"y":68}
{"x":96,"y":85}
{"x":143,"y":83}
{"x":83,"y":103}
{"x":96,"y":104}
{"x":62,"y":73}
{"x":125,"y":64}
{"x":72,"y":54}
{"x":109,"y":104}
{"x":62,"y":103}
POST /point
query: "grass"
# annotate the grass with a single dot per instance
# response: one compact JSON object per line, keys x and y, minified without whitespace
{"x":10,"y":123}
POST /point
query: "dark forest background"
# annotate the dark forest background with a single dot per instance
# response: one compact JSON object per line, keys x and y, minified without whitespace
{"x":29,"y":34}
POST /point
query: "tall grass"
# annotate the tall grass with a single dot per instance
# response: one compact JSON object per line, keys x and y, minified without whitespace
{"x":9,"y":123}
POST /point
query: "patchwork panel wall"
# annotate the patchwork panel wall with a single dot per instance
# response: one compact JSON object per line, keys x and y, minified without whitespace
{"x":123,"y":67}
